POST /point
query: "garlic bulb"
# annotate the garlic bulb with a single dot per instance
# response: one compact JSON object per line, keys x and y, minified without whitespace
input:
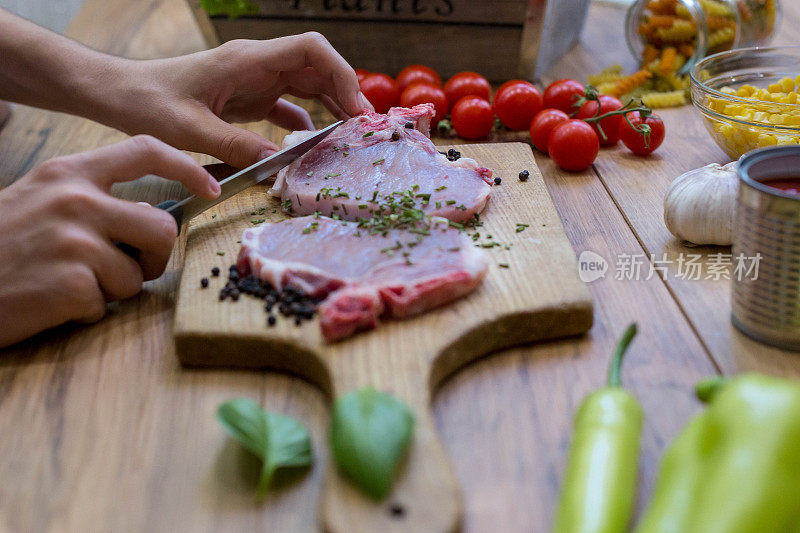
{"x":700,"y":205}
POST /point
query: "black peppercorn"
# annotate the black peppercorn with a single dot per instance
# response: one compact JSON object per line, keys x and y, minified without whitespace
{"x":271,"y":320}
{"x":410,"y":125}
{"x":215,"y":271}
{"x":395,"y":136}
{"x":397,"y":510}
{"x":453,"y":154}
{"x":498,"y":181}
{"x":204,"y":283}
{"x":524,"y":175}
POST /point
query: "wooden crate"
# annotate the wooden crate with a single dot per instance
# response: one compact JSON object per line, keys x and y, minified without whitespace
{"x":501,"y":39}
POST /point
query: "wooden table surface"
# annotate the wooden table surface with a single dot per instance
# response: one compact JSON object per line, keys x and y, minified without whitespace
{"x":102,"y":430}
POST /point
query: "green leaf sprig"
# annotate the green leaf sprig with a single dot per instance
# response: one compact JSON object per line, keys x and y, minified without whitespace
{"x":232,"y":8}
{"x":279,"y":441}
{"x":370,"y":433}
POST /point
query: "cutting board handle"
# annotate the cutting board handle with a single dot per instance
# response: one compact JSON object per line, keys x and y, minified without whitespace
{"x":426,"y":495}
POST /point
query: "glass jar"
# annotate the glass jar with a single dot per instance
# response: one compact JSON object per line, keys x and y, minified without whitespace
{"x":696,"y":28}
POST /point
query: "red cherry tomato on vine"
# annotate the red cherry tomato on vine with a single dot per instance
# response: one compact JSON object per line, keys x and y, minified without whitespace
{"x":414,"y":74}
{"x":543,"y":124}
{"x":472,"y":118}
{"x":516,"y":103}
{"x":467,"y":84}
{"x":426,"y":94}
{"x":361,"y":74}
{"x":573,"y":145}
{"x":562,"y":94}
{"x":381,"y":91}
{"x":610,"y":125}
{"x":638,"y":142}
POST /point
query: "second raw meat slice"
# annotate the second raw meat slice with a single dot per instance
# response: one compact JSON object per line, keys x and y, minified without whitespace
{"x":363,"y":276}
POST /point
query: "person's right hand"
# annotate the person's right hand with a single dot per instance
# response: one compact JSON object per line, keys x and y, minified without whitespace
{"x":58,"y":226}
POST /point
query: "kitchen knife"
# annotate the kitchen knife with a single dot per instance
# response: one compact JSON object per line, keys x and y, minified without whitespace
{"x":192,"y":206}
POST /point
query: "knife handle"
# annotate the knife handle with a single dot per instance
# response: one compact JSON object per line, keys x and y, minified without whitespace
{"x":177,"y":214}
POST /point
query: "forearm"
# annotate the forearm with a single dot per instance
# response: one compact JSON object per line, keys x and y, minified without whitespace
{"x":43,"y":69}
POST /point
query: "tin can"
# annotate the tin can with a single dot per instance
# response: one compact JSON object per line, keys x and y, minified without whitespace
{"x":766,"y":306}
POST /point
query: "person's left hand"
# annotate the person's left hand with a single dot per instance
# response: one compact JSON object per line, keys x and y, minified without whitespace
{"x":189,"y":101}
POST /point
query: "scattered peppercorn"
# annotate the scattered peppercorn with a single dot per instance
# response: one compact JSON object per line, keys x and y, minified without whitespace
{"x":453,"y":154}
{"x":524,"y":175}
{"x":397,"y":510}
{"x":215,"y":272}
{"x":498,"y":181}
{"x":410,"y":125}
{"x":204,"y":283}
{"x":395,"y":136}
{"x":291,"y":301}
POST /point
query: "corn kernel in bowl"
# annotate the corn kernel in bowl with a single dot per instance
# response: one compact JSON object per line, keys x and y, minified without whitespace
{"x":749,"y":117}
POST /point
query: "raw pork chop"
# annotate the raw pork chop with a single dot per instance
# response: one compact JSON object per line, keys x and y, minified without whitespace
{"x":373,"y":155}
{"x":362,"y":276}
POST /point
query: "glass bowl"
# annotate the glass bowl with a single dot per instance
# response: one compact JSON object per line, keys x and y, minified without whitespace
{"x":742,"y":100}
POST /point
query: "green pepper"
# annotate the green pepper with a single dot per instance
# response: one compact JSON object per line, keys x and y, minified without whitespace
{"x":600,"y":481}
{"x":736,"y":466}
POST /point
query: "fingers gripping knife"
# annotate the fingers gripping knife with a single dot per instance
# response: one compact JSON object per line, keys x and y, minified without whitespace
{"x":192,"y":206}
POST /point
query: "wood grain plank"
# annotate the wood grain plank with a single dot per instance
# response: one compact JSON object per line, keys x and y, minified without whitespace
{"x":538,"y":296}
{"x":103,"y":429}
{"x":532,"y":393}
{"x":638,"y":186}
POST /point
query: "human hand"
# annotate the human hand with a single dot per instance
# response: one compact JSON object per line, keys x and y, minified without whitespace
{"x":59,"y":225}
{"x":5,"y":112}
{"x":189,"y":101}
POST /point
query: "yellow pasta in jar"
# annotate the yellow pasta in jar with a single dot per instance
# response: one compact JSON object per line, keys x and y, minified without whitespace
{"x":711,"y":7}
{"x":608,"y":74}
{"x":627,"y":84}
{"x":666,"y":99}
{"x":724,"y":36}
{"x":680,"y":31}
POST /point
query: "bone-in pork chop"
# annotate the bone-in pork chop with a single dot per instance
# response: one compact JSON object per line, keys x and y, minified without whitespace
{"x":361,"y":274}
{"x":374,"y":155}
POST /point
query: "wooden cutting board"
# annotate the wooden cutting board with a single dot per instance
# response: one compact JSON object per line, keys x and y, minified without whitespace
{"x":539,"y":296}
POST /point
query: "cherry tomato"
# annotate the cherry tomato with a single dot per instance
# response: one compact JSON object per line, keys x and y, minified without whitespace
{"x":422,"y":93}
{"x":516,"y":103}
{"x":573,"y":145}
{"x":610,"y":125}
{"x":418,"y":74}
{"x":562,"y":94}
{"x":467,"y":84}
{"x":381,"y":91}
{"x":543,"y":124}
{"x":361,"y":74}
{"x":472,"y":118}
{"x":638,"y":143}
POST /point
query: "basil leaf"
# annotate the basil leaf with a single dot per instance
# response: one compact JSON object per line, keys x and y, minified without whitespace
{"x":233,"y":8}
{"x":279,"y":441}
{"x":370,"y":432}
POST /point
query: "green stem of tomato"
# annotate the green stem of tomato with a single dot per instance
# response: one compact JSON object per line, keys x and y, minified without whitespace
{"x":631,"y":107}
{"x":615,"y":368}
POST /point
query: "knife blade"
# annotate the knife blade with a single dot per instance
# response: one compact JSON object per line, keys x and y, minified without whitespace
{"x":192,"y":206}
